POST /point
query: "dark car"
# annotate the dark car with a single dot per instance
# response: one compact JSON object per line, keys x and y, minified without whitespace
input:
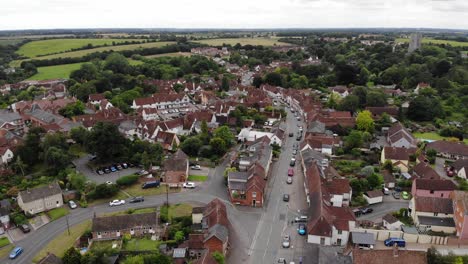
{"x":366,"y":210}
{"x":299,"y":137}
{"x":291,"y":134}
{"x":24,"y":228}
{"x":100,"y":171}
{"x":286,"y":197}
{"x":137,"y":199}
{"x":150,"y":184}
{"x":107,"y":170}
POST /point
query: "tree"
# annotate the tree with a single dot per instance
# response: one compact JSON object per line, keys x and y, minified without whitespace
{"x":204,"y":134}
{"x":225,"y":84}
{"x":364,"y":121}
{"x":442,"y":67}
{"x":257,"y":81}
{"x":424,"y":108}
{"x":79,"y":135}
{"x":374,"y":98}
{"x":179,"y":236}
{"x":353,"y":140}
{"x":86,"y":72}
{"x":218,"y":257}
{"x":274,"y":78}
{"x":349,"y":103}
{"x":71,"y":256}
{"x":77,"y":181}
{"x":224,"y":133}
{"x":72,"y":109}
{"x":106,"y":141}
{"x":117,"y":63}
{"x":218,"y":146}
{"x":191,"y":146}
{"x":374,"y":181}
{"x":57,"y":159}
{"x":30,"y":149}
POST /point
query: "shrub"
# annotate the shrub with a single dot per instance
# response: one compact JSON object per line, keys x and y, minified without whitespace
{"x":104,"y":190}
{"x":19,"y":218}
{"x":127,"y":180}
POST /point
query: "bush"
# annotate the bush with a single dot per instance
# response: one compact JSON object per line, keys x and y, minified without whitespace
{"x":358,"y":201}
{"x":104,"y":190}
{"x":19,"y":218}
{"x":127,"y":180}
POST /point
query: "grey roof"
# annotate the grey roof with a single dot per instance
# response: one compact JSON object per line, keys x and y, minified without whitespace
{"x":316,"y":127}
{"x":390,"y":218}
{"x":4,"y":211}
{"x":122,"y":222}
{"x":460,"y":163}
{"x":436,"y":221}
{"x":310,"y":156}
{"x":237,"y":185}
{"x":327,"y":255}
{"x":5,"y":203}
{"x":40,"y":192}
{"x":219,"y":231}
{"x":363,"y":238}
{"x":179,"y":253}
{"x":238,"y":175}
{"x":7,"y":116}
{"x":44,"y":116}
{"x":127,"y":125}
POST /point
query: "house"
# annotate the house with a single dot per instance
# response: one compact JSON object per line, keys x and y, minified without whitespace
{"x":433,"y":213}
{"x":114,"y":227}
{"x":40,"y":199}
{"x":342,"y":91}
{"x":321,"y":143}
{"x":338,"y":191}
{"x":6,"y":155}
{"x":378,"y":111}
{"x":249,"y":135}
{"x":176,"y":169}
{"x":385,"y":256}
{"x":161,"y":101}
{"x":391,"y":223}
{"x":398,"y":136}
{"x":96,"y":99}
{"x":460,"y":168}
{"x":437,"y":188}
{"x":247,"y":187}
{"x":216,"y":225}
{"x":425,"y":171}
{"x":50,"y":259}
{"x":361,"y":239}
{"x":12,"y":122}
{"x":449,"y":150}
{"x":373,"y":197}
{"x":197,"y":215}
{"x":389,"y":179}
{"x":460,"y":210}
{"x":421,"y":86}
{"x":167,"y":140}
{"x":399,"y":156}
{"x":259,"y":151}
{"x":5,"y":208}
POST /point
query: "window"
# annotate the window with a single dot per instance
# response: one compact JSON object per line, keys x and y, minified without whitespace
{"x":442,"y":195}
{"x":322,"y":241}
{"x":340,"y":232}
{"x":432,"y":191}
{"x":57,"y":202}
{"x":338,"y":241}
{"x":435,"y":214}
{"x":99,"y":233}
{"x":254,"y":194}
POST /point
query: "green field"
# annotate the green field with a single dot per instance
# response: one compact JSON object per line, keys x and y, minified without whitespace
{"x":9,"y":41}
{"x":432,"y":136}
{"x":243,"y":41}
{"x":49,"y":46}
{"x":81,"y":53}
{"x":172,"y":54}
{"x":437,"y":41}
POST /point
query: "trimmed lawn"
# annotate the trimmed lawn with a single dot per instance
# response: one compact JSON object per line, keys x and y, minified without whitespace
{"x":243,"y":41}
{"x":197,"y":178}
{"x":5,"y":251}
{"x":62,"y":242}
{"x":179,"y":210}
{"x":118,"y":196}
{"x":57,"y":213}
{"x":135,"y":211}
{"x":141,"y":244}
{"x":433,"y":136}
{"x":437,"y":41}
{"x":105,"y":245}
{"x":136,"y":190}
{"x":4,"y":241}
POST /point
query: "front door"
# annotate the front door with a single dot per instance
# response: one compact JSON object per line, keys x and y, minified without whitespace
{"x":254,"y":203}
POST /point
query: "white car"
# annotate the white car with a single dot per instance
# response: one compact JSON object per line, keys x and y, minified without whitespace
{"x":189,"y":185}
{"x":289,"y":180}
{"x":117,"y":202}
{"x":72,"y":204}
{"x":196,"y":167}
{"x":286,"y":241}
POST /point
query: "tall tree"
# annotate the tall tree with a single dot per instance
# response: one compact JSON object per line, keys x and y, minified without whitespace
{"x":365,"y":122}
{"x":106,"y":141}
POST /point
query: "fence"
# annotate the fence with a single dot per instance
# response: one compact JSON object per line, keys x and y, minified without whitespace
{"x":381,"y":235}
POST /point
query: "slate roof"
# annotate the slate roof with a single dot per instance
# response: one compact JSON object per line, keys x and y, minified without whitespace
{"x":434,"y":185}
{"x":436,"y":221}
{"x":40,"y":192}
{"x":7,"y":116}
{"x":50,"y":259}
{"x":363,"y":238}
{"x":121,"y":222}
{"x":390,"y":218}
{"x":433,"y":205}
{"x":219,"y":231}
{"x":374,"y":193}
{"x":460,"y":163}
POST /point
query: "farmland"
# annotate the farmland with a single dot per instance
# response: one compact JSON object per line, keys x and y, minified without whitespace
{"x":51,"y":46}
{"x":437,"y":41}
{"x":172,"y":54}
{"x":242,"y":41}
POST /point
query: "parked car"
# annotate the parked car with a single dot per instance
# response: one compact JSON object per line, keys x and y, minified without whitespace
{"x":137,"y":199}
{"x":107,"y":170}
{"x":295,"y":146}
{"x":117,"y":202}
{"x":16,"y":252}
{"x":398,"y":189}
{"x":100,"y":171}
{"x":188,"y":185}
{"x":290,"y":172}
{"x":286,"y":197}
{"x":394,"y":240}
{"x":405,"y":195}
{"x":366,"y":210}
{"x":292,"y":163}
{"x":196,"y":167}
{"x":301,"y":219}
{"x":113,"y":169}
{"x":301,"y":230}
{"x":385,"y":191}
{"x":291,"y":134}
{"x":118,"y":167}
{"x":289,"y":180}
{"x":294,"y":151}
{"x":286,"y":241}
{"x":150,"y":184}
{"x":142,"y":172}
{"x":25,"y":228}
{"x":282,"y":261}
{"x":299,"y":137}
{"x":109,"y":183}
{"x":72,"y":204}
{"x":396,"y":195}
{"x":124,"y":165}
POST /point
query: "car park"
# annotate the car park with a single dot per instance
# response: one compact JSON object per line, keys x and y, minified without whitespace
{"x":366,"y":210}
{"x":117,"y":202}
{"x":286,"y":197}
{"x":301,"y":230}
{"x":25,"y":228}
{"x":189,"y":185}
{"x":137,"y":199}
{"x":16,"y":252}
{"x":72,"y":204}
{"x":286,"y":241}
{"x":301,"y":219}
{"x":396,"y":195}
{"x":289,"y":180}
{"x":196,"y":167}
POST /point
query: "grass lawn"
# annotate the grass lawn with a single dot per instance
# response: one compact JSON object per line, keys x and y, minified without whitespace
{"x":178,"y":210}
{"x":55,"y":72}
{"x":4,"y":241}
{"x":141,"y":244}
{"x":118,"y":196}
{"x":136,"y":190}
{"x":57,"y":213}
{"x":243,"y":41}
{"x":197,"y":178}
{"x":105,"y":245}
{"x":5,"y":251}
{"x":43,"y":47}
{"x":433,"y":136}
{"x":62,"y":242}
{"x":437,"y":41}
{"x":134,"y":211}
{"x":171,"y":54}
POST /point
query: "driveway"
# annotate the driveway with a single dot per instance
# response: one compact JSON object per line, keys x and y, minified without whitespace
{"x":389,"y":205}
{"x":82,"y":167}
{"x":440,"y":169}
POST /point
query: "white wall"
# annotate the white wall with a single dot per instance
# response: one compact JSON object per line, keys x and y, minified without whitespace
{"x":373,"y":200}
{"x":316,"y":240}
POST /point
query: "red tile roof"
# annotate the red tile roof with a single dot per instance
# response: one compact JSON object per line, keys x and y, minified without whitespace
{"x":435,"y":185}
{"x":425,"y":171}
{"x":433,"y":205}
{"x":456,"y":148}
{"x":375,"y":256}
{"x":394,"y":153}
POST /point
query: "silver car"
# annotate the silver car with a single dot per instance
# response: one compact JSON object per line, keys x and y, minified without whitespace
{"x":286,"y":241}
{"x":289,"y":180}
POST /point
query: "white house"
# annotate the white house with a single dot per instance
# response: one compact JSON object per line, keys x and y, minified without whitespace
{"x":40,"y":199}
{"x":373,"y":197}
{"x":246,"y":134}
{"x":391,"y":223}
{"x":161,"y":101}
{"x":6,"y":155}
{"x":433,"y":213}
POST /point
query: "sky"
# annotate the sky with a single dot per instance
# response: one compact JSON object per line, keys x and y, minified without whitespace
{"x":48,"y":14}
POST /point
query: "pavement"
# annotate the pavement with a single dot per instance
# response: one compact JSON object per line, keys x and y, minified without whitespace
{"x":82,"y":166}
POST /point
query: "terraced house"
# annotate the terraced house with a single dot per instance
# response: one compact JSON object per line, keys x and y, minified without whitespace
{"x":40,"y":199}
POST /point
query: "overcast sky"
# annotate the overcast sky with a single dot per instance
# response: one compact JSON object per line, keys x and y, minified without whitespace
{"x":45,"y":14}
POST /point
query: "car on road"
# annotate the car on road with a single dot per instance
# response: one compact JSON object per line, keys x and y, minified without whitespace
{"x":290,"y":172}
{"x":405,"y":195}
{"x":366,"y":210}
{"x":189,"y":185}
{"x":100,"y":171}
{"x":301,"y":129}
{"x":196,"y":167}
{"x":286,"y":241}
{"x":301,"y":230}
{"x":16,"y":252}
{"x":299,"y":137}
{"x":282,"y":261}
{"x":301,"y":219}
{"x":385,"y":191}
{"x":124,"y":165}
{"x":294,"y":151}
{"x":396,"y":195}
{"x":286,"y":197}
{"x":117,"y":202}
{"x":291,"y":134}
{"x":72,"y":204}
{"x":292,"y":163}
{"x":298,"y":118}
{"x":25,"y":228}
{"x":137,"y":199}
{"x":394,"y":240}
{"x":289,"y":180}
{"x":295,"y":146}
